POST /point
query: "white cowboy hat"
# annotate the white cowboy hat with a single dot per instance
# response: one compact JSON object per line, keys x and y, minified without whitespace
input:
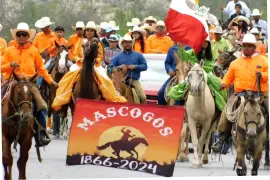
{"x":242,"y":18}
{"x":92,"y":25}
{"x":126,"y":37}
{"x":113,"y":24}
{"x":103,"y":25}
{"x":43,"y":22}
{"x":218,"y":30}
{"x":146,"y":26}
{"x":256,"y":12}
{"x":254,"y":31}
{"x":23,"y":27}
{"x":160,"y":23}
{"x":249,"y":39}
{"x":150,"y":18}
{"x":134,"y":22}
{"x":138,"y":29}
{"x":1,"y":27}
{"x":79,"y":24}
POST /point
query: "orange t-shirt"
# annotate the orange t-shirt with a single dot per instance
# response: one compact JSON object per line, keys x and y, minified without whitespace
{"x":43,"y":42}
{"x":73,"y":40}
{"x":28,"y":58}
{"x":261,"y":49}
{"x":137,"y":46}
{"x":161,"y":44}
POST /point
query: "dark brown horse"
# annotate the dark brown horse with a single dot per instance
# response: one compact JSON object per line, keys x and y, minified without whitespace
{"x":17,"y":124}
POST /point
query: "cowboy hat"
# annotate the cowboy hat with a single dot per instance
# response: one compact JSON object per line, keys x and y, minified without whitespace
{"x":218,"y":30}
{"x":138,"y":29}
{"x":256,"y":12}
{"x":1,"y":27}
{"x":23,"y":27}
{"x":242,"y":18}
{"x":43,"y":22}
{"x":113,"y":38}
{"x":150,"y":18}
{"x":79,"y":24}
{"x":248,"y":39}
{"x":113,"y":24}
{"x":254,"y":31}
{"x":160,"y":23}
{"x":146,"y":26}
{"x":92,"y":25}
{"x":126,"y":37}
{"x":134,"y":22}
{"x":103,"y":25}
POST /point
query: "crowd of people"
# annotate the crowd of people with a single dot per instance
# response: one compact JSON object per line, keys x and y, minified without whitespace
{"x":30,"y":51}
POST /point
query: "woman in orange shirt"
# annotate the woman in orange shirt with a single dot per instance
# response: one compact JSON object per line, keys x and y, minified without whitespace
{"x":138,"y":36}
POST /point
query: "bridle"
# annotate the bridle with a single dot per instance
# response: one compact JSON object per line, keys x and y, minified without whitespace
{"x":202,"y":81}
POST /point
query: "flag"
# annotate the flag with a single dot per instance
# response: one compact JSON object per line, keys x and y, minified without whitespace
{"x":185,"y":24}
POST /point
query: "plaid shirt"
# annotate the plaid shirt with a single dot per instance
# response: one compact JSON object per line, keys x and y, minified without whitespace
{"x":109,"y":54}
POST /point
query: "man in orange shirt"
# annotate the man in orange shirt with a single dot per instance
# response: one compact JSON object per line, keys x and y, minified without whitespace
{"x":79,"y":28}
{"x":159,"y":43}
{"x":242,"y":73}
{"x":26,"y":59}
{"x":43,"y":39}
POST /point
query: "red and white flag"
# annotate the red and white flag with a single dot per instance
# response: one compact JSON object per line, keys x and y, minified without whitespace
{"x":185,"y":25}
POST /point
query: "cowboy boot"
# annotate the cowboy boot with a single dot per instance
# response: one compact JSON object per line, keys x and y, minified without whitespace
{"x":217,"y":147}
{"x":44,"y":141}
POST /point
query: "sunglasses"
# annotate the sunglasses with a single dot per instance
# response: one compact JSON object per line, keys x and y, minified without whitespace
{"x":24,"y":34}
{"x":160,"y":27}
{"x":79,"y":29}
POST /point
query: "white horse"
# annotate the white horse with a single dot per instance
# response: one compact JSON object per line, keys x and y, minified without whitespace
{"x":200,"y":109}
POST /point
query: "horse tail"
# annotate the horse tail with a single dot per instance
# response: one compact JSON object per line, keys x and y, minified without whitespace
{"x":104,"y":146}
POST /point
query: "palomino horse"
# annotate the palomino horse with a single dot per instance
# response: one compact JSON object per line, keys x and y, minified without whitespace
{"x":18,"y":123}
{"x":58,"y":70}
{"x":119,"y":82}
{"x":250,"y":127}
{"x":200,"y":110}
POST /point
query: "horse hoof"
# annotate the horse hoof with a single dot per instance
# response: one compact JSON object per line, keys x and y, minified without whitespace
{"x":195,"y":166}
{"x":205,"y":161}
{"x":49,"y":131}
{"x":187,"y":159}
{"x":241,"y":172}
{"x":266,"y":167}
{"x":181,"y":159}
{"x":254,"y":173}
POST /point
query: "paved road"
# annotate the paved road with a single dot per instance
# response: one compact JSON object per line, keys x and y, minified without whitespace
{"x":53,"y":166}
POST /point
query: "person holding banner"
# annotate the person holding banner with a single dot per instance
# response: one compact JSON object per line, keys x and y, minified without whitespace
{"x":135,"y":62}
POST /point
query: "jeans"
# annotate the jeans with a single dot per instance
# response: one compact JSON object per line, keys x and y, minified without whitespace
{"x":139,"y":90}
{"x":47,"y":65}
{"x":161,"y":99}
{"x":42,"y":115}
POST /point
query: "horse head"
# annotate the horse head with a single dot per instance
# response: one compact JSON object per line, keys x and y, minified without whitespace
{"x":253,"y":115}
{"x":223,"y":62}
{"x":91,"y":52}
{"x":197,"y":79}
{"x":22,"y":96}
{"x":119,"y":77}
{"x":139,"y":140}
{"x":61,"y":58}
{"x":182,"y":68}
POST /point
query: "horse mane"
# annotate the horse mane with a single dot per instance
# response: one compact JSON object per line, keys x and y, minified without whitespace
{"x":138,"y":139}
{"x":87,"y":75}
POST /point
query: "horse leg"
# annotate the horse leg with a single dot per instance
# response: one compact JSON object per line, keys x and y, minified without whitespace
{"x":193,"y":130}
{"x":24,"y":149}
{"x":56,"y":124}
{"x":241,"y":169}
{"x":202,"y":140}
{"x":131,"y":154}
{"x":257,"y":153}
{"x":206,"y":149}
{"x":187,"y":148}
{"x":7,"y":158}
{"x":136,"y":154}
{"x":181,"y":156}
{"x":65,"y":126}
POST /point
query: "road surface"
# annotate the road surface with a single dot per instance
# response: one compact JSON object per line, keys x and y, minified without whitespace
{"x":54,"y":158}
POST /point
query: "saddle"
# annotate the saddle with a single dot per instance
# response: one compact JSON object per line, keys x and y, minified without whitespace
{"x":171,"y":83}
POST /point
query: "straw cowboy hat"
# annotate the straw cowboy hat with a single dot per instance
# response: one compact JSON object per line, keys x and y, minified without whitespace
{"x":256,"y":12}
{"x":126,"y":37}
{"x":92,"y":25}
{"x":1,"y":27}
{"x":113,"y":24}
{"x":150,"y":18}
{"x":146,"y":26}
{"x":254,"y":31}
{"x":23,"y":27}
{"x":242,"y":18}
{"x":218,"y":30}
{"x":79,"y":24}
{"x":248,"y":39}
{"x":43,"y":22}
{"x":138,"y":29}
{"x":134,"y":22}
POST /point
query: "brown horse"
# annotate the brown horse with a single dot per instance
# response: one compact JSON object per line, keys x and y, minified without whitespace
{"x":119,"y":82}
{"x":17,"y":124}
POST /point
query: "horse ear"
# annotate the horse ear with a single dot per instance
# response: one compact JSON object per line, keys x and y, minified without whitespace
{"x":57,"y":45}
{"x":189,"y":64}
{"x":68,"y":47}
{"x":31,"y":79}
{"x":202,"y":63}
{"x":176,"y":57}
{"x":16,"y":77}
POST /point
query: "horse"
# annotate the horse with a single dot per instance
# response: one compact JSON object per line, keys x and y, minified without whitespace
{"x":119,"y":81}
{"x":200,"y":110}
{"x":57,"y":71}
{"x":18,"y":123}
{"x":250,"y":136}
{"x":129,"y":147}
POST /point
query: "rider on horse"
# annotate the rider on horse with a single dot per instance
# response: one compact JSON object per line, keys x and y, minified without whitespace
{"x":126,"y":135}
{"x":135,"y":62}
{"x":242,"y":73}
{"x":26,"y":59}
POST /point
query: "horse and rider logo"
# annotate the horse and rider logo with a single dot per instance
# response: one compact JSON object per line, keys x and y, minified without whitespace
{"x":122,"y":142}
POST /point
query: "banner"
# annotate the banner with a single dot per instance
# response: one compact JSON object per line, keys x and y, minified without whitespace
{"x":141,"y":138}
